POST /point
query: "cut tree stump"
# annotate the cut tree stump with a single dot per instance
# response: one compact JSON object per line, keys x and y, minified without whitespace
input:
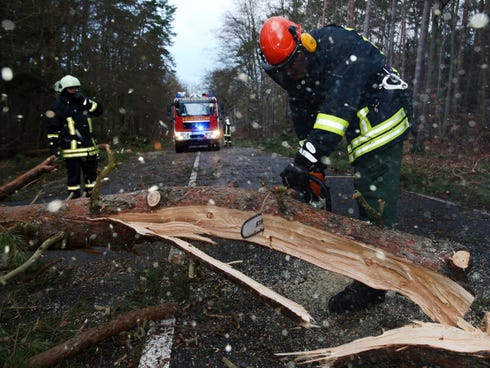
{"x":381,"y":258}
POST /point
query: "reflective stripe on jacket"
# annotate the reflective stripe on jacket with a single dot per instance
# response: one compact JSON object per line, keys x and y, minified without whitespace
{"x":76,"y":149}
{"x":371,"y":138}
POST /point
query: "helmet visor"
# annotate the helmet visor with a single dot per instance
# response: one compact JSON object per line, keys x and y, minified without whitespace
{"x":289,"y":71}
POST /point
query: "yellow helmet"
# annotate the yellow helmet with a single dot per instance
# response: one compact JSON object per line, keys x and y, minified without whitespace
{"x":65,"y":82}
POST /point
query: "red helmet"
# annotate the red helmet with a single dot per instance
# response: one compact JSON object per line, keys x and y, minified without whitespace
{"x":279,"y":39}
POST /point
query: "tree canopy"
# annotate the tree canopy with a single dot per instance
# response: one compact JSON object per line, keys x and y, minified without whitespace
{"x":120,"y":52}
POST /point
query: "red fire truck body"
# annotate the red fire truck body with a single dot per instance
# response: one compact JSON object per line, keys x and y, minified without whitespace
{"x":196,"y":122}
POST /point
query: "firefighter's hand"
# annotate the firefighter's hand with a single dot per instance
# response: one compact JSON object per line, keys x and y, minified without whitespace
{"x":78,"y":97}
{"x":54,"y":152}
{"x":82,"y":100}
{"x":296,"y":177}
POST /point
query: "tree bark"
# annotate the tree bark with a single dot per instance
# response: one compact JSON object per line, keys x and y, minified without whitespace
{"x":418,"y":78}
{"x":91,"y":337}
{"x":28,"y":177}
{"x":37,"y":223}
{"x":381,"y":258}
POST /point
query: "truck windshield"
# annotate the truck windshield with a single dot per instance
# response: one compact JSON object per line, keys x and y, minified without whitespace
{"x":198,"y":108}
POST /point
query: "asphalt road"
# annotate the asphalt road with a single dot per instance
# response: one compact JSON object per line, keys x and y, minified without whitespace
{"x":221,"y":320}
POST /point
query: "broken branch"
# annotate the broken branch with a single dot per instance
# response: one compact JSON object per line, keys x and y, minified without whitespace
{"x":33,"y":259}
{"x":99,"y":333}
{"x":28,"y":177}
{"x":417,"y":334}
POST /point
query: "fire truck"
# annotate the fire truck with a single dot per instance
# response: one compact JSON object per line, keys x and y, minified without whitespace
{"x":196,"y":122}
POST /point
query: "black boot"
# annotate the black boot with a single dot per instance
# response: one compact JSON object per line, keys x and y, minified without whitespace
{"x":355,"y":297}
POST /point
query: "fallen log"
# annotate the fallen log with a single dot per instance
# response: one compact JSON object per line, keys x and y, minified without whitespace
{"x":414,"y":342}
{"x":99,"y":333}
{"x":379,"y":257}
{"x":38,"y":222}
{"x":28,"y":177}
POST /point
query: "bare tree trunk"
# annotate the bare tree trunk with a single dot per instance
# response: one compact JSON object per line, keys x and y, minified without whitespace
{"x":403,"y":40}
{"x":460,"y":72}
{"x":391,"y":36}
{"x":324,"y":12}
{"x":419,"y":71}
{"x":350,"y":13}
{"x":367,"y":17}
{"x":446,"y":121}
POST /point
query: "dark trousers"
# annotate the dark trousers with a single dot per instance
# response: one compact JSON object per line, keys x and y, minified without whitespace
{"x":378,"y":177}
{"x":74,"y":168}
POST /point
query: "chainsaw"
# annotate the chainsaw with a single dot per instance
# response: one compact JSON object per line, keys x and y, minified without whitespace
{"x":255,"y":224}
{"x":321,"y":201}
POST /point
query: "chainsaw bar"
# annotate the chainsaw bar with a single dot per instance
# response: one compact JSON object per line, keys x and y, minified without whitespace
{"x":252,"y":226}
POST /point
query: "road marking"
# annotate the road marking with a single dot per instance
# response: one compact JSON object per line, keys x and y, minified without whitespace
{"x":193,"y":178}
{"x":158,"y":347}
{"x":160,"y":336}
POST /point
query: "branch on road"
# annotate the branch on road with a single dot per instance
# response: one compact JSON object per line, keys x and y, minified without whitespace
{"x":28,"y":177}
{"x":93,"y":336}
{"x":37,"y":254}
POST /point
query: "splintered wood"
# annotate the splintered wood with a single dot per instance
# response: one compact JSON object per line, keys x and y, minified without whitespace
{"x":434,"y":335}
{"x":442,"y":299}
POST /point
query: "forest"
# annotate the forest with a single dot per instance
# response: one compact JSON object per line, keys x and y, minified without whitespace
{"x":120,"y":52}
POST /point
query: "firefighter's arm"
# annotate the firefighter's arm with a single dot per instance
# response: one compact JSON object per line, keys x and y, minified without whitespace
{"x":92,"y":106}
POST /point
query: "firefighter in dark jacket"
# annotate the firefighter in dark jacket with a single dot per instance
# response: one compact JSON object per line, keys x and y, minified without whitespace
{"x":339,"y":86}
{"x":70,"y":133}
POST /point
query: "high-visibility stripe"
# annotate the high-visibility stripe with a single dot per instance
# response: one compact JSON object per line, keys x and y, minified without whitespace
{"x":71,"y":125}
{"x":94,"y":106}
{"x":55,"y":135}
{"x":378,"y":141}
{"x":73,"y":187}
{"x":308,"y":155}
{"x":331,"y":123}
{"x":89,"y":121}
{"x":72,"y":132}
{"x":80,"y":152}
{"x":367,"y":132}
{"x":89,"y":185}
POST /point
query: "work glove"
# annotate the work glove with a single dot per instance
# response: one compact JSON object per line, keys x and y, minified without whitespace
{"x":82,"y":100}
{"x":54,"y":151}
{"x":53,"y":146}
{"x":296,"y":174}
{"x":78,"y":98}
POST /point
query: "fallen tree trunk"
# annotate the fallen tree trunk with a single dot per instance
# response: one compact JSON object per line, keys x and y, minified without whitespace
{"x":97,"y":334}
{"x":28,"y":177}
{"x":39,"y":222}
{"x":418,"y":342}
{"x":379,"y":257}
{"x":439,"y":297}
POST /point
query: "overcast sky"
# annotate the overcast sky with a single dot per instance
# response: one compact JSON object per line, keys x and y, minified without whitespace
{"x":196,"y":24}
